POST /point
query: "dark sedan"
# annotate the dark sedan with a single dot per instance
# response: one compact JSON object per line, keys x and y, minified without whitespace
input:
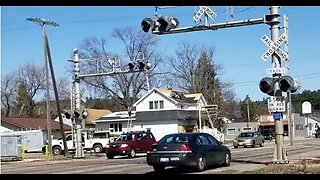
{"x":188,"y":149}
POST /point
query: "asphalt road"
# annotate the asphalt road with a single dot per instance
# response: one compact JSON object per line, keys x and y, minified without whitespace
{"x":242,"y":159}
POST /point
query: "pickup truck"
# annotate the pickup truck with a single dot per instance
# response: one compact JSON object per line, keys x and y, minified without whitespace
{"x":90,"y":141}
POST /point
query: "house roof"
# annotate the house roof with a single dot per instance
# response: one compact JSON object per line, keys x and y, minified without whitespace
{"x":116,"y":116}
{"x":159,"y":92}
{"x":94,"y":114}
{"x":33,"y":123}
{"x":166,"y":92}
{"x":194,"y":96}
{"x":174,"y":96}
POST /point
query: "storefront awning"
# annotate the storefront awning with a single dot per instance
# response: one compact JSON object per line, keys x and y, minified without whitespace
{"x":271,"y":123}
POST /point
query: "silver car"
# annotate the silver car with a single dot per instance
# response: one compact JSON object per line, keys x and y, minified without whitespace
{"x":248,"y":139}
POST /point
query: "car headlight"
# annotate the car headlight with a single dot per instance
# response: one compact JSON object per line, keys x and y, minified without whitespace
{"x":234,"y":140}
{"x":107,"y":146}
{"x":124,"y":145}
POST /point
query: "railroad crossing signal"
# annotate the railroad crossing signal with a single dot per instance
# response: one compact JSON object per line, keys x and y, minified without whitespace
{"x":204,"y":10}
{"x":274,"y":47}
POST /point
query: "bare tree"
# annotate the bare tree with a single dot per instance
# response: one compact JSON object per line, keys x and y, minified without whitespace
{"x":183,"y":66}
{"x":64,"y":89}
{"x":8,"y":93}
{"x":124,"y":88}
{"x":195,"y":71}
{"x":32,"y":77}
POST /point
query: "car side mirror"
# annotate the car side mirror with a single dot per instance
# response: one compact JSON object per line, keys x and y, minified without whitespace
{"x":219,"y":142}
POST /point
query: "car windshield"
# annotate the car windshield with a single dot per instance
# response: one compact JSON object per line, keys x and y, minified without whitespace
{"x":247,"y":134}
{"x":125,"y":137}
{"x":175,"y":138}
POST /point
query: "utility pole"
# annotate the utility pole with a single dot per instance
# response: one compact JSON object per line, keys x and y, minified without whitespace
{"x":43,"y":23}
{"x":289,"y":109}
{"x":248,"y":110}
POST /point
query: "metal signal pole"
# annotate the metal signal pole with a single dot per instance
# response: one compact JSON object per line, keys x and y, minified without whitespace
{"x":279,"y":153}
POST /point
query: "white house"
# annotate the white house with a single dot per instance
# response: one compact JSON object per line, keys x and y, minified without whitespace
{"x":166,"y":111}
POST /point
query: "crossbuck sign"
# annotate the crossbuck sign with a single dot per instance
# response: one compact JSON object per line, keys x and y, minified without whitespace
{"x":274,"y":47}
{"x":204,"y":10}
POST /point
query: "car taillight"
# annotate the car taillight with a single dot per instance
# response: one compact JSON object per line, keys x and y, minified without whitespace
{"x":184,"y":147}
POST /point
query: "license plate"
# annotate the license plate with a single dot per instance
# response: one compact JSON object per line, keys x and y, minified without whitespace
{"x":164,"y":159}
{"x":174,"y":159}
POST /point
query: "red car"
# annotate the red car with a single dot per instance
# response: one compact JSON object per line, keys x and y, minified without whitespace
{"x":131,"y":143}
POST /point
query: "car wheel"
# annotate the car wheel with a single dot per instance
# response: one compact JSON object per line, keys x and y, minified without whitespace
{"x":110,"y":156}
{"x":97,"y":148}
{"x":253,"y":144}
{"x":227,"y":159}
{"x":158,"y":168}
{"x":262,"y":143}
{"x":132,"y":153}
{"x":201,"y":163}
{"x":56,"y":150}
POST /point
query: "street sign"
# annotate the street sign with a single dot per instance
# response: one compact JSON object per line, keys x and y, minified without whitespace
{"x":204,"y":10}
{"x":274,"y":47}
{"x":276,"y":104}
{"x":276,"y":70}
{"x":277,"y":116}
{"x":306,"y":107}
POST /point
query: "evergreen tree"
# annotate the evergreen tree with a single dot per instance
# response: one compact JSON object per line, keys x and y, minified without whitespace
{"x":248,"y":105}
{"x":24,"y":105}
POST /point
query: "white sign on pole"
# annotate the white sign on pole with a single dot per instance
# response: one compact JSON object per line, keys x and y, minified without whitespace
{"x":274,"y":47}
{"x":306,"y":108}
{"x":204,"y":10}
{"x":276,"y":104}
{"x":276,"y":70}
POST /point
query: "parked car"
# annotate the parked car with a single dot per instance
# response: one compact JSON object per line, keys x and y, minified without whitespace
{"x":197,"y":150}
{"x":131,"y":143}
{"x":268,"y":134}
{"x":251,"y":138}
{"x":317,"y":134}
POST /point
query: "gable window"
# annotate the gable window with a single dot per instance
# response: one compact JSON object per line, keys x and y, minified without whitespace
{"x":161,"y":104}
{"x":156,"y":103}
{"x":150,"y":104}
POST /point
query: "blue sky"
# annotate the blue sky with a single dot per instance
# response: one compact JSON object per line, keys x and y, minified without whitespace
{"x":238,"y":49}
